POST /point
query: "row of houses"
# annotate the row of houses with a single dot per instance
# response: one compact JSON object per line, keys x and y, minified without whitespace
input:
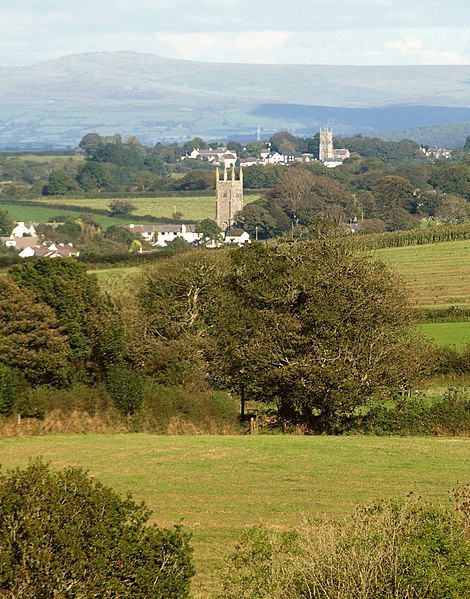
{"x":26,"y":241}
{"x":227,"y":158}
{"x":161,"y":235}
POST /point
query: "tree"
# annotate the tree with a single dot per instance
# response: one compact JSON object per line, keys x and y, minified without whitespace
{"x":294,"y":190}
{"x":194,"y":144}
{"x":209,"y":230}
{"x":7,"y":389}
{"x":283,"y":142}
{"x":121,"y":207}
{"x":86,"y":316}
{"x":394,"y":192}
{"x":94,"y":176}
{"x":453,"y":210}
{"x":60,"y":183}
{"x":64,"y":534}
{"x":195,"y":180}
{"x":90,"y":143}
{"x":31,"y":338}
{"x":175,"y":297}
{"x":313,"y":328}
{"x":6,"y":223}
{"x":120,"y":234}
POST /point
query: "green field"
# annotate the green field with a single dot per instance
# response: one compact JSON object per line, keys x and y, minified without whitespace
{"x":192,"y":208}
{"x":216,"y":486}
{"x":40,"y":214}
{"x":438,"y":274}
{"x":447,"y":333}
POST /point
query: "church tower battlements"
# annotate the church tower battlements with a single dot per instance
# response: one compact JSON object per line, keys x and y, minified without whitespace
{"x":326,"y":144}
{"x":229,"y":197}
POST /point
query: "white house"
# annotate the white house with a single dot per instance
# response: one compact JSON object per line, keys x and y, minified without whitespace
{"x":236,"y":237}
{"x":23,"y":230}
{"x":59,"y":250}
{"x":160,"y":235}
{"x":275,"y":158}
{"x":220,"y":156}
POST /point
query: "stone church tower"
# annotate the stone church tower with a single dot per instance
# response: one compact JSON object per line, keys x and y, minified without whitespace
{"x":326,"y":144}
{"x":229,"y":198}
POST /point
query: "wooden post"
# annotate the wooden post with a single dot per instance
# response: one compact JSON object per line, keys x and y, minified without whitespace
{"x":242,"y":400}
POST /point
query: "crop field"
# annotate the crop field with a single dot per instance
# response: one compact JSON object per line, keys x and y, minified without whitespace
{"x":192,"y":208}
{"x":216,"y":486}
{"x":438,"y":274}
{"x":447,"y":333}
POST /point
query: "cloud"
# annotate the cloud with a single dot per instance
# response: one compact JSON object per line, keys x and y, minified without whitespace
{"x":257,"y":46}
{"x":409,"y":45}
{"x":415,"y":47}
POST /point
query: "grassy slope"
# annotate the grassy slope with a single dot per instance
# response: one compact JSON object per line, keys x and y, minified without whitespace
{"x":41,"y":214}
{"x":438,"y":274}
{"x":192,"y":208}
{"x":216,"y":486}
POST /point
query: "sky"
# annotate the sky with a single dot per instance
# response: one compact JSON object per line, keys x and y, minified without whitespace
{"x":340,"y":32}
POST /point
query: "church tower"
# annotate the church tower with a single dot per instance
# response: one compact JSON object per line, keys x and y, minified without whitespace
{"x":229,"y":198}
{"x":326,"y":144}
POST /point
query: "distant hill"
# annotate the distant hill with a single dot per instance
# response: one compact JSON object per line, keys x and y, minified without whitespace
{"x":55,"y":103}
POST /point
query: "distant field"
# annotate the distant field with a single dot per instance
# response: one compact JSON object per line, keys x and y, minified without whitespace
{"x":438,"y":274}
{"x":217,"y":486}
{"x":447,"y":333}
{"x":40,"y":157}
{"x":192,"y":208}
{"x":43,"y":215}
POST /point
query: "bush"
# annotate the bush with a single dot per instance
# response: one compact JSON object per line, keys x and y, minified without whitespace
{"x":7,"y":383}
{"x":388,"y":549}
{"x":449,"y":415}
{"x":63,"y":534}
{"x":181,"y":410}
{"x":126,"y":388}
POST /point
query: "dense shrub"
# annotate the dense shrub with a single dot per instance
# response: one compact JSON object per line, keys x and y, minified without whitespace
{"x":7,"y":383}
{"x":452,"y":361}
{"x":449,"y":415}
{"x":388,"y":549}
{"x":63,"y":534}
{"x":182,"y":410}
{"x":126,"y":388}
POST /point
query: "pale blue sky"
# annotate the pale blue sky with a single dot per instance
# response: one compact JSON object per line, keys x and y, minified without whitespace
{"x":375,"y":32}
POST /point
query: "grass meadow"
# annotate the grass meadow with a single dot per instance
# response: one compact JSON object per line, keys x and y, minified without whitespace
{"x":42,"y":214}
{"x":438,"y":274}
{"x":192,"y":208}
{"x":218,"y":485}
{"x":447,"y":333}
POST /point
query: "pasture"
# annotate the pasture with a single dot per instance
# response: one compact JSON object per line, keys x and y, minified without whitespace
{"x":438,"y":274}
{"x":447,"y":333}
{"x":217,"y":486}
{"x":192,"y":207}
{"x":42,"y":214}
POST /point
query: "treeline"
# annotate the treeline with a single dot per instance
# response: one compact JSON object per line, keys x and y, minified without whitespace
{"x":291,"y":326}
{"x":384,"y":186}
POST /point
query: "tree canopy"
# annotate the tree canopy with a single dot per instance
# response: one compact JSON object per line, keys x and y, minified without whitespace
{"x":312,"y":328}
